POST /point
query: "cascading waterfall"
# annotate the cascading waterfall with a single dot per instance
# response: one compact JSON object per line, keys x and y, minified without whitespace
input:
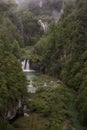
{"x":26,"y":66}
{"x":43,"y":25}
{"x":29,"y":75}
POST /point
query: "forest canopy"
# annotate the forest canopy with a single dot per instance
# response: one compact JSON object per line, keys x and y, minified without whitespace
{"x":61,"y":51}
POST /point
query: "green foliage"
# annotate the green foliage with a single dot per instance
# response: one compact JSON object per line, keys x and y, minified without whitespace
{"x":8,"y":30}
{"x":51,"y":104}
{"x":13,"y":82}
{"x":19,"y":25}
{"x":12,"y":79}
{"x":39,"y":107}
{"x":63,"y":47}
{"x":63,"y":51}
{"x":82,"y":105}
{"x":27,"y":24}
{"x":16,"y":49}
{"x":4,"y":125}
{"x":68,"y":8}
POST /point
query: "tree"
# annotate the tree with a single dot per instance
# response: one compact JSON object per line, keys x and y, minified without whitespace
{"x":12,"y":80}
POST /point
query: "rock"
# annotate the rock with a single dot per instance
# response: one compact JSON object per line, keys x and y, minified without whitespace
{"x":59,"y":81}
{"x":29,"y":99}
{"x":51,"y":81}
{"x":26,"y":114}
{"x":67,"y":125}
{"x":45,"y":84}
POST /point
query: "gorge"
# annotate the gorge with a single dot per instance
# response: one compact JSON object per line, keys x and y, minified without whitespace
{"x":49,"y":37}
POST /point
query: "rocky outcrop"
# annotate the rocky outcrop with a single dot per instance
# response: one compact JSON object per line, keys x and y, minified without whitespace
{"x":38,"y":67}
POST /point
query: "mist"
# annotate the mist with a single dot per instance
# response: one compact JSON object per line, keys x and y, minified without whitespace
{"x":36,"y":2}
{"x":24,"y":3}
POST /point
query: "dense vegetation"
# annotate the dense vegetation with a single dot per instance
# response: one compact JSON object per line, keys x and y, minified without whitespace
{"x":61,"y":52}
{"x":51,"y":107}
{"x":47,"y":10}
{"x":12,"y":79}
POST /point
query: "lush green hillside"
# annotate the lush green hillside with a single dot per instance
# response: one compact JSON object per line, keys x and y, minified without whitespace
{"x":50,"y":108}
{"x":62,"y":52}
{"x":12,"y":79}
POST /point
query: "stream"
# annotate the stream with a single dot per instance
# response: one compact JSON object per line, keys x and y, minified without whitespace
{"x":74,"y":116}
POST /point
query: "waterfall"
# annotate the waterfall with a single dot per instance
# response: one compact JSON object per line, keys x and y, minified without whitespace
{"x":43,"y":25}
{"x":40,"y":4}
{"x":26,"y":66}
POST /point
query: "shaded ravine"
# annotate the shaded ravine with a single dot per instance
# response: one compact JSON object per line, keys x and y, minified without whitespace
{"x":74,"y":118}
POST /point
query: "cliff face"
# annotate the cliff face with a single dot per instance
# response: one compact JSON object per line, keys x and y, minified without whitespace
{"x":46,"y":6}
{"x":46,"y":9}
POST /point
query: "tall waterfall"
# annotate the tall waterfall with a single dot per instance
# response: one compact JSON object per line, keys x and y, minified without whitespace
{"x":27,"y":65}
{"x":40,"y":3}
{"x":43,"y":25}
